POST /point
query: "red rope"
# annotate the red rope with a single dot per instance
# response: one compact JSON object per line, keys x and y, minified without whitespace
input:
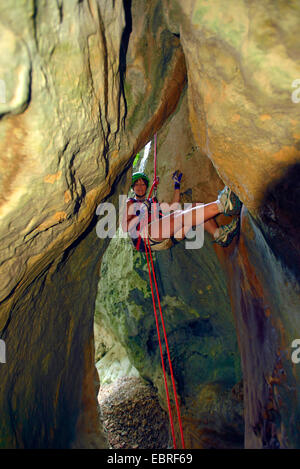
{"x":155,"y":182}
{"x":160,"y":348}
{"x":167,"y":347}
{"x":155,"y":156}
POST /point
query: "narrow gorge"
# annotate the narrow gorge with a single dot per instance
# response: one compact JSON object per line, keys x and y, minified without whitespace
{"x":84,"y":86}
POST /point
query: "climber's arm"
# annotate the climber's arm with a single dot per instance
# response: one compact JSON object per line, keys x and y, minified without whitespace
{"x":176,"y":196}
{"x":128,"y":216}
{"x":177,"y":180}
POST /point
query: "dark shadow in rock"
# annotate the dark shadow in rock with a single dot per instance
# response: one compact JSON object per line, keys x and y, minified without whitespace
{"x":279,"y":212}
{"x":123,"y":52}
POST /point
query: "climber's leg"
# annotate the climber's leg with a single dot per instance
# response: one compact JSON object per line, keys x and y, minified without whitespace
{"x":210,"y":226}
{"x":181,"y":221}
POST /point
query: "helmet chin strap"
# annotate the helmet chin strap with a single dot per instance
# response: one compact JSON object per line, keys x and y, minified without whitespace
{"x":140,"y":196}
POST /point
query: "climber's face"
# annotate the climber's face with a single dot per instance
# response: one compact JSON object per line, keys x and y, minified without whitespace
{"x":140,"y":188}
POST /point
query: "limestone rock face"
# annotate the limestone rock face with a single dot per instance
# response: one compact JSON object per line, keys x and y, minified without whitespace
{"x":84,"y":85}
{"x":114,"y":365}
{"x":64,"y":152}
{"x":267,"y":323}
{"x":242,"y":63}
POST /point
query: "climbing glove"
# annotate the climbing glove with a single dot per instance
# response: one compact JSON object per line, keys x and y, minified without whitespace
{"x":177,"y":179}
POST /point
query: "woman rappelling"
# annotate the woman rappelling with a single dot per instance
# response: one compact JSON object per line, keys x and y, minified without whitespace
{"x":143,"y":218}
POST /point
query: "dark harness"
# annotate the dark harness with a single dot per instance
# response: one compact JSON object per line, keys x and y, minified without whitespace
{"x":154,"y":212}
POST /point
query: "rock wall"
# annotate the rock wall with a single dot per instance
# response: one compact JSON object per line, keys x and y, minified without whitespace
{"x":84,"y":85}
{"x":241,"y":63}
{"x":266,"y":304}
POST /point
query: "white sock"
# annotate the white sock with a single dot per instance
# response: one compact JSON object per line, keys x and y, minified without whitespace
{"x":216,"y":233}
{"x":220,"y":206}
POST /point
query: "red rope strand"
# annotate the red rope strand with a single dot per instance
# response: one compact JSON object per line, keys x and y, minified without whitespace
{"x":149,"y":255}
{"x":155,"y":156}
{"x":167,"y":346}
{"x":161,"y":352}
{"x":154,"y":184}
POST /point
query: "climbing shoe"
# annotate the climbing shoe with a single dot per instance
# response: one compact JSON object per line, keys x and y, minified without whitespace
{"x":228,"y":232}
{"x":229,"y":201}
